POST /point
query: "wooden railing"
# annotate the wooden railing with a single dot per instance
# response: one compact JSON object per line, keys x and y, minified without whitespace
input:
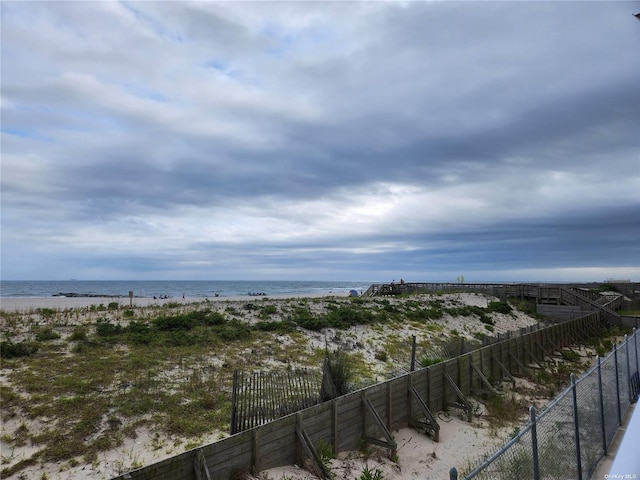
{"x":393,"y":288}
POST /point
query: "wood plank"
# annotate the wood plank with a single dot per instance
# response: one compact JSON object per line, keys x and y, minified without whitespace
{"x":390,"y":443}
{"x":431,"y":424}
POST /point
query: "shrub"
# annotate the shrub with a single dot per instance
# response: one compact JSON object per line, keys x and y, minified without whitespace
{"x":269,"y":310}
{"x":342,"y":372}
{"x":325,"y":451}
{"x":346,"y":316}
{"x":280,"y":327}
{"x":233,"y":330}
{"x":46,"y":312}
{"x":426,"y":360}
{"x":20,"y":349}
{"x":104,"y":328}
{"x":433,"y":313}
{"x":381,"y":355}
{"x":214,"y":318}
{"x":139,"y":333}
{"x":527,"y":306}
{"x":46,"y":333}
{"x":306,"y":319}
{"x":367,"y":474}
{"x":79,"y":334}
{"x":570,"y":355}
{"x":179,"y":322}
{"x":499,"y":307}
{"x":180,"y":338}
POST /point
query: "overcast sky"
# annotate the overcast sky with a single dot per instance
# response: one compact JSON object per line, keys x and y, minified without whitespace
{"x":329,"y":141}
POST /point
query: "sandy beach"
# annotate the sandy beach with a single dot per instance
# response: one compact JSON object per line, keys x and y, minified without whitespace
{"x":25,"y":304}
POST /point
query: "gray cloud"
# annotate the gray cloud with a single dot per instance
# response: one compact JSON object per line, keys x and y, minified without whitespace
{"x":299,"y":140}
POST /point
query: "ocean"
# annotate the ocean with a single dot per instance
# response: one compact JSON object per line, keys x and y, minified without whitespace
{"x":170,"y":288}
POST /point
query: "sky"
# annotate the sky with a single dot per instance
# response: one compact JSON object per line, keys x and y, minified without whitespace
{"x":499,"y":141}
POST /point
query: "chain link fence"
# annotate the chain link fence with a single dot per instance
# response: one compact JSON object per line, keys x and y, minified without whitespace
{"x":568,"y":438}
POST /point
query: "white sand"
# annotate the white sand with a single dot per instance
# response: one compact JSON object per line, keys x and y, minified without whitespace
{"x":25,"y":304}
{"x":419,"y":457}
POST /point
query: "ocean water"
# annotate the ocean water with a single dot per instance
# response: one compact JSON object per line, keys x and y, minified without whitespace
{"x":176,"y":289}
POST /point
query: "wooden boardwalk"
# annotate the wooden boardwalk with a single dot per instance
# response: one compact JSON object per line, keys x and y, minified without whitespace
{"x":584,"y":299}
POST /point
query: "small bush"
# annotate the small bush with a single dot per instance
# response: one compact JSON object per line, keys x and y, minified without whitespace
{"x":79,"y":334}
{"x":425,"y":361}
{"x":139,"y":333}
{"x":46,"y":334}
{"x":306,"y":319}
{"x":233,"y":330}
{"x":528,"y":307}
{"x":367,"y":474}
{"x":342,"y":372}
{"x":46,"y":312}
{"x":570,"y":355}
{"x":499,"y":307}
{"x":433,"y":313}
{"x":325,"y":451}
{"x":381,"y":355}
{"x":179,"y":322}
{"x":280,"y":327}
{"x":180,"y":338}
{"x":104,"y":328}
{"x":269,"y":310}
{"x":214,"y":318}
{"x":20,"y":349}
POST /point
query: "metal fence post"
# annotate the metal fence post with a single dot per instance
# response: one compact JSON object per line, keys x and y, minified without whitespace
{"x":629,"y":386}
{"x":615,"y":358}
{"x":453,"y":474}
{"x":576,"y":425}
{"x":534,"y":443}
{"x":635,"y":343}
{"x":601,"y":398}
{"x":413,"y":353}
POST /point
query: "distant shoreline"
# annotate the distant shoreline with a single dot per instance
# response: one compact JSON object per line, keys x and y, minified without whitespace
{"x":24,"y":304}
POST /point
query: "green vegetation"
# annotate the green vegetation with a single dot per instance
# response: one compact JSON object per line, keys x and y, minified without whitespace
{"x":342,"y":316}
{"x":325,"y":452}
{"x":367,"y":474}
{"x":426,"y":361}
{"x":341,"y":367}
{"x":19,"y":349}
{"x":83,"y":383}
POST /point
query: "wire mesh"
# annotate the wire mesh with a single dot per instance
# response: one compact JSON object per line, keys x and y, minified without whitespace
{"x":634,"y":354}
{"x":514,"y":460}
{"x":623,"y":379}
{"x":589,"y":421}
{"x":609,"y":397}
{"x":556,"y":440}
{"x":602,"y":397}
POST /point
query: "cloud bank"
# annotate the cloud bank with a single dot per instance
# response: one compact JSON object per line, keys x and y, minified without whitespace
{"x":284,"y":140}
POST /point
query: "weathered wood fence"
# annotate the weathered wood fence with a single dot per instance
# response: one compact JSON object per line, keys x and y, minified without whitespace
{"x":260,"y":397}
{"x":373,"y":412}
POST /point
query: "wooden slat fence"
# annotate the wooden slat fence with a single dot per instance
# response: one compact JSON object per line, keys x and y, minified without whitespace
{"x":346,"y":420}
{"x":261,"y":397}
